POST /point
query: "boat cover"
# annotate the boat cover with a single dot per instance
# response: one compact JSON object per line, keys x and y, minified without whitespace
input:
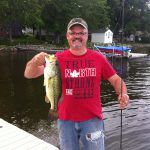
{"x":113,"y":49}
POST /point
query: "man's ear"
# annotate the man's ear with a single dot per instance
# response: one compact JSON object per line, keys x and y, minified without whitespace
{"x":67,"y":36}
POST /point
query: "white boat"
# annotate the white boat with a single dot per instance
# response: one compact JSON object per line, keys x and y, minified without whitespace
{"x":136,"y":55}
{"x":118,"y":52}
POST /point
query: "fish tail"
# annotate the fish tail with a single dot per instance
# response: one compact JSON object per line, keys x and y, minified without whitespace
{"x":52,"y":115}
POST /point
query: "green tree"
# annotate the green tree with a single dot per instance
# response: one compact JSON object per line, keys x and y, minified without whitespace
{"x":24,"y":12}
{"x":95,"y":12}
{"x":136,"y":15}
{"x":115,"y":15}
{"x":56,"y":14}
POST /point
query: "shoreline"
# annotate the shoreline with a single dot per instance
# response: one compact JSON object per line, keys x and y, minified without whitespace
{"x":139,"y":45}
{"x":55,"y":48}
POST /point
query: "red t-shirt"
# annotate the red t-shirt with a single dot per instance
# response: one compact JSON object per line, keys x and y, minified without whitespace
{"x":81,"y":76}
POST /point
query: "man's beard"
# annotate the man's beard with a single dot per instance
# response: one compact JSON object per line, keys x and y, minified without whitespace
{"x":77,"y":43}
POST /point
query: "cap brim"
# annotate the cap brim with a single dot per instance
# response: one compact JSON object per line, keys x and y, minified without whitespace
{"x":76,"y":23}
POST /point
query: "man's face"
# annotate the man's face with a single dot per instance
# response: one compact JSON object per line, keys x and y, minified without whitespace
{"x":77,"y":37}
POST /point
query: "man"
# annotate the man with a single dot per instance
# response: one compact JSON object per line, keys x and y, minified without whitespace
{"x":80,"y":111}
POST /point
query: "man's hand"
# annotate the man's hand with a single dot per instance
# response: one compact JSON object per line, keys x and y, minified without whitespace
{"x":35,"y":67}
{"x":123,"y":100}
{"x":39,"y":59}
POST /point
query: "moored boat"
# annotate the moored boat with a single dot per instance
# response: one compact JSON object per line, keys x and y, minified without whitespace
{"x":118,"y":52}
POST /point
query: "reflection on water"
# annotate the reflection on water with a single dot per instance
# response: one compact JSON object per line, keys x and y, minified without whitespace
{"x":136,"y":118}
{"x":22,"y":102}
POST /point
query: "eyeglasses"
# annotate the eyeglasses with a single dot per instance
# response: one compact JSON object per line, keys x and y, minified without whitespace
{"x":80,"y":33}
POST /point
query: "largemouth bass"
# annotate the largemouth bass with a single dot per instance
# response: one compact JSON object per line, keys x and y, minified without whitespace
{"x":52,"y":83}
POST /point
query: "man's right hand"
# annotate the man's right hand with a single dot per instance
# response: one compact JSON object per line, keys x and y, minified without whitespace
{"x":39,"y":59}
{"x":35,"y":67}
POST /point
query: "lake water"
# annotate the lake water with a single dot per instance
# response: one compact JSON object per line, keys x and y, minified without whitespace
{"x":22,"y":102}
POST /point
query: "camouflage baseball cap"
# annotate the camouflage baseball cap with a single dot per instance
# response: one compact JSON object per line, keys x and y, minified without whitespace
{"x":75,"y":21}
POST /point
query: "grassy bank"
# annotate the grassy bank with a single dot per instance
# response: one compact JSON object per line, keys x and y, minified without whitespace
{"x":25,"y":39}
{"x":31,"y":40}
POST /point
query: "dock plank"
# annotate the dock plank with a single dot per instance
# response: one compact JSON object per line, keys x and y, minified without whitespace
{"x":14,"y":138}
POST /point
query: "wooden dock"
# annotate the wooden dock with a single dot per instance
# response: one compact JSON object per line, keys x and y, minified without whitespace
{"x":14,"y":138}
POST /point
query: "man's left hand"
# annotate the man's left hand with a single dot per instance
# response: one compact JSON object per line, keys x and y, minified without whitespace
{"x":123,"y":100}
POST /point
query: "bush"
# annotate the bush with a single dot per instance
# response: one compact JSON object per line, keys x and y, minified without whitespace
{"x":25,"y":39}
{"x":145,"y":39}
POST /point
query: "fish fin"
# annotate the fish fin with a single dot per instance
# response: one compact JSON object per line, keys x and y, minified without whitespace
{"x":52,"y":115}
{"x":46,"y":99}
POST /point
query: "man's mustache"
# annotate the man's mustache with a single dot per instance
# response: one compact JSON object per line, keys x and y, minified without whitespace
{"x":77,"y":39}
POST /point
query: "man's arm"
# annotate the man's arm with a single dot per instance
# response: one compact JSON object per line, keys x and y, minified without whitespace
{"x":35,"y":67}
{"x":121,"y":89}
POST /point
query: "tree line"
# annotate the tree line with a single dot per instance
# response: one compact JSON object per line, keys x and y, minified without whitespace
{"x":54,"y":15}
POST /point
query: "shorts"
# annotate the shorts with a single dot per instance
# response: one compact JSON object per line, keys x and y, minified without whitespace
{"x":87,"y":134}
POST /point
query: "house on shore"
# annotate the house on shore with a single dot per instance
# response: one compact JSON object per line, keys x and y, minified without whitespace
{"x":104,"y":36}
{"x":15,"y":29}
